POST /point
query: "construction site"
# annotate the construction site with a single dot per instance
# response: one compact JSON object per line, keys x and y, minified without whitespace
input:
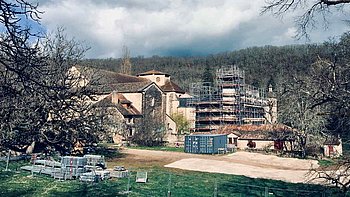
{"x":229,"y":100}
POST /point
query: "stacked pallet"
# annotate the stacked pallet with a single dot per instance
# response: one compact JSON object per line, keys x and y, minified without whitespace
{"x":72,"y":167}
{"x":89,"y":177}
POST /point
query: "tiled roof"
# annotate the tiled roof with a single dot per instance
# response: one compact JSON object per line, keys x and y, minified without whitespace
{"x":122,"y":87}
{"x":109,"y":77}
{"x":259,"y":132}
{"x":108,"y":81}
{"x":331,"y":140}
{"x":170,"y":86}
{"x":261,"y":127}
{"x":125,"y":111}
{"x":153,"y":72}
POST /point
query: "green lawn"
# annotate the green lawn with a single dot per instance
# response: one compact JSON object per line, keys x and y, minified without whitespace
{"x":326,"y":162}
{"x":181,"y":183}
{"x":161,"y":148}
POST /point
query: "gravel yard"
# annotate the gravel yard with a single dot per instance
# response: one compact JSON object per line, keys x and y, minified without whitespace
{"x":248,"y":164}
{"x":253,"y":171}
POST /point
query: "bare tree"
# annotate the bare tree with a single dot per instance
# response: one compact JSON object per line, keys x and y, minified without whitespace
{"x":298,"y":113}
{"x":42,"y":99}
{"x":20,"y":65}
{"x":337,"y":176}
{"x":311,"y":11}
{"x":112,"y":121}
{"x":67,"y":101}
{"x":125,"y":66}
{"x":149,"y":132}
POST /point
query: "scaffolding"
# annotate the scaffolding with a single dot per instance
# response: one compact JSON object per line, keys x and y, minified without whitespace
{"x":207,"y":103}
{"x":229,"y":100}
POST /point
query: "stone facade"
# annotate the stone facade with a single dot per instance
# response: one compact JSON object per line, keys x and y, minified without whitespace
{"x":152,"y":94}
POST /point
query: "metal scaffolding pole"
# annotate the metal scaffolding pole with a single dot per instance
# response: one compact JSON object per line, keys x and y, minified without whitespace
{"x":229,"y":100}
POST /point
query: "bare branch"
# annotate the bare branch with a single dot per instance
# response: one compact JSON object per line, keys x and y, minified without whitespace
{"x":306,"y":21}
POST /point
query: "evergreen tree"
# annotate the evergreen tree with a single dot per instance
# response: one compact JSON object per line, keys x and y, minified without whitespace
{"x":208,"y":74}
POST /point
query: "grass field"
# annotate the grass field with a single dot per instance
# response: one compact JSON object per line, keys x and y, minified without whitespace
{"x":161,"y":180}
{"x":161,"y":148}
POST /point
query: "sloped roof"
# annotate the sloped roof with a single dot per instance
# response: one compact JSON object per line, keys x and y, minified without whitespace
{"x":123,"y":87}
{"x":332,"y":140}
{"x":125,"y":111}
{"x":261,"y":127}
{"x":101,"y":76}
{"x":259,"y":132}
{"x":153,"y":72}
{"x":109,"y":77}
{"x":108,"y":81}
{"x":170,"y":86}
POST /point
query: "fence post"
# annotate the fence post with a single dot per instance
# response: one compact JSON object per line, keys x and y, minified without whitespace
{"x":8,"y":160}
{"x":266,"y":191}
{"x":33,"y":163}
{"x":128,"y":186}
{"x":215,"y":189}
{"x":169,"y":186}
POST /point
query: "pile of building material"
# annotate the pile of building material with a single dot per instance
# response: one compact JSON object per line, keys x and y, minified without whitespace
{"x":44,"y":167}
{"x":141,"y":177}
{"x":89,"y":177}
{"x":72,"y":167}
{"x":119,"y":172}
{"x":96,"y":160}
{"x":104,"y":174}
{"x":88,"y":168}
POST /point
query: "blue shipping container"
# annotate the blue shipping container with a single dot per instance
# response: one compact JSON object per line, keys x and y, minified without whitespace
{"x":205,"y":143}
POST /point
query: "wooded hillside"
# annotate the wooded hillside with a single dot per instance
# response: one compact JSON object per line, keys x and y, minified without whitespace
{"x":310,"y":80}
{"x":261,"y":64}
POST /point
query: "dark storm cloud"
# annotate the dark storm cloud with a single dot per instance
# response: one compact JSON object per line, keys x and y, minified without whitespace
{"x":171,"y":27}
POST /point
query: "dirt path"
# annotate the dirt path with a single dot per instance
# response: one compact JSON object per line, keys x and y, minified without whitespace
{"x":253,"y":165}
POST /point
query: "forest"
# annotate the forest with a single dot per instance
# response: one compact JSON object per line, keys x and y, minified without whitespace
{"x":263,"y":65}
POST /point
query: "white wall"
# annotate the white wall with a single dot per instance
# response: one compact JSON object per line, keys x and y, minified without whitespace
{"x":153,"y":78}
{"x":337,"y":150}
{"x":171,"y":103}
{"x":271,"y":110}
{"x":136,"y":99}
{"x":260,"y":144}
{"x":170,"y":136}
{"x":189,"y":114}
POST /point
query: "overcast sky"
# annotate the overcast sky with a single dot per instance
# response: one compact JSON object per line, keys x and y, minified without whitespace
{"x":174,"y":27}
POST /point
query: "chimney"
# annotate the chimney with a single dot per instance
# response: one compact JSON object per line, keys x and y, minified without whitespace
{"x":270,"y":88}
{"x":114,"y":97}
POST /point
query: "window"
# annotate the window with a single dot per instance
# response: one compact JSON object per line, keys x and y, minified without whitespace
{"x":158,"y":79}
{"x":152,"y":102}
{"x":230,"y":140}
